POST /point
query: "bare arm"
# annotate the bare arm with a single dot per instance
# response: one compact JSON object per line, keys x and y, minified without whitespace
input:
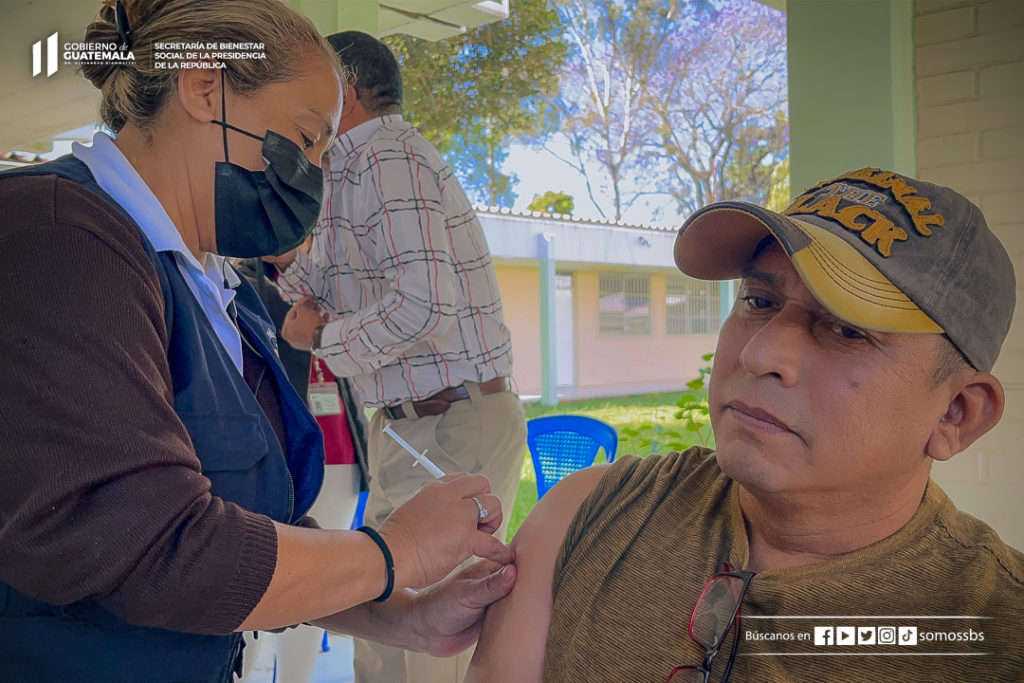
{"x":515,"y":630}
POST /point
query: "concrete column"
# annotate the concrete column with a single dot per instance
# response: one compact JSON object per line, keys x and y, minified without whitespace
{"x":851,"y":88}
{"x":548,"y":323}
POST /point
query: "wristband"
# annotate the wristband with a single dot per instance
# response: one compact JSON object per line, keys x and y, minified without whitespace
{"x":389,"y":561}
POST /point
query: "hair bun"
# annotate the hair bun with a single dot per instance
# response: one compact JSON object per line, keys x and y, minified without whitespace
{"x":100,"y":32}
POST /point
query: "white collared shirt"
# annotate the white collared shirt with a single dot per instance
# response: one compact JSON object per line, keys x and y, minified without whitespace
{"x":212,"y":282}
{"x":400,"y":261}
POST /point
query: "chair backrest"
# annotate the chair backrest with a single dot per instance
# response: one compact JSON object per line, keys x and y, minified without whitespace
{"x":562,"y":444}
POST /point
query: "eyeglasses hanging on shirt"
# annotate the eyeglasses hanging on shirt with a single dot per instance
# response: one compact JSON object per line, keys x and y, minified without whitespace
{"x":716,"y":613}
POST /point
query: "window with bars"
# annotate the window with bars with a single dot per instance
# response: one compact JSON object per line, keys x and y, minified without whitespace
{"x":692,"y":306}
{"x":624,"y":304}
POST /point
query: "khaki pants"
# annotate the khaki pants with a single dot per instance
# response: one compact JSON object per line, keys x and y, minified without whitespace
{"x":484,"y":434}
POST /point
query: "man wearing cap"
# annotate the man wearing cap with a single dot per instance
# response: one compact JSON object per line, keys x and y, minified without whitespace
{"x":859,"y":351}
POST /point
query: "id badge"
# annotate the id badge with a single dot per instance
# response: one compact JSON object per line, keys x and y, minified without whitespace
{"x":324,"y":399}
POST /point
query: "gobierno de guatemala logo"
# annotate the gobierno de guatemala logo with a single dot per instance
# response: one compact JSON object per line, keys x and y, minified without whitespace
{"x":76,"y":54}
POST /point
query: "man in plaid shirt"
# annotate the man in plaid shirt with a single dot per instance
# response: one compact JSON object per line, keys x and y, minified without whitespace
{"x":400,"y":265}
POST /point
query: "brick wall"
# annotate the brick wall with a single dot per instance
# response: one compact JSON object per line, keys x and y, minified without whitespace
{"x":970,"y":117}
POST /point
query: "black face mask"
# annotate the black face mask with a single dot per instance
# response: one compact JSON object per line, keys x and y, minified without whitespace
{"x":268,"y":212}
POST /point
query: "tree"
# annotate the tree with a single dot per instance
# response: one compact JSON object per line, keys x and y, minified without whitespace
{"x":722,"y":127}
{"x":677,"y":98}
{"x":553,"y":202}
{"x":778,"y":195}
{"x":618,"y":48}
{"x":470,"y":95}
{"x":476,"y":157}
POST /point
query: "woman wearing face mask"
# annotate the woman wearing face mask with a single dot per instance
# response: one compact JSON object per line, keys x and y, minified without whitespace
{"x":157,"y":464}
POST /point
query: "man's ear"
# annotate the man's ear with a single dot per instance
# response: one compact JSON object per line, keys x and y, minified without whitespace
{"x":353,"y":110}
{"x":199,"y":94}
{"x":349,"y":100}
{"x":974,"y":410}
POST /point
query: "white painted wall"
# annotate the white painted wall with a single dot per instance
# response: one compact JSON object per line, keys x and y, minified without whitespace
{"x":970,"y":117}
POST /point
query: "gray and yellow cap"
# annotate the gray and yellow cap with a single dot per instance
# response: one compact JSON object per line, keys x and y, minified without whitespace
{"x":880,"y":250}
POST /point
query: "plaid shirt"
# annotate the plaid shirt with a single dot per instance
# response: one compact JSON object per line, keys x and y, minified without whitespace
{"x":400,"y":262}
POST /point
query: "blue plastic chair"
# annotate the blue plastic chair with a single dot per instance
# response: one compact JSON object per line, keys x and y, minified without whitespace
{"x":562,"y":444}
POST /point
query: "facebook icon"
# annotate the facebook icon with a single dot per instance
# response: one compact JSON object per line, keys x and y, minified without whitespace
{"x":824,"y":635}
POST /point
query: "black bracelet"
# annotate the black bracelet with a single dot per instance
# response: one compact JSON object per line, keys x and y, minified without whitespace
{"x":389,"y":561}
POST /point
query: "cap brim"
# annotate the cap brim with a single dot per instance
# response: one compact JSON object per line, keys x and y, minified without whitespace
{"x":718,"y":243}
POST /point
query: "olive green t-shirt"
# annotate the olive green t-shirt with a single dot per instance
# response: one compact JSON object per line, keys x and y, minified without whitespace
{"x":653,"y":532}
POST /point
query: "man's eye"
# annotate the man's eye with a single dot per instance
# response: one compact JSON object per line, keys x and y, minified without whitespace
{"x":757,"y":301}
{"x":306,"y":142}
{"x":850,"y":332}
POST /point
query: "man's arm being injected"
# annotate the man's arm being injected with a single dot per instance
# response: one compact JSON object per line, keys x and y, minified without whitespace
{"x":512,"y":642}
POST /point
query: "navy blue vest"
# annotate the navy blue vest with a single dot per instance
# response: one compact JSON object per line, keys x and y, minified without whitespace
{"x":241,"y":456}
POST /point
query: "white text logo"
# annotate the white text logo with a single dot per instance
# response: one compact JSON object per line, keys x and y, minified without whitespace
{"x":51,"y":56}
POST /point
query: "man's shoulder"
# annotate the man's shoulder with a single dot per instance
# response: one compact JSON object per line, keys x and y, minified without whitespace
{"x":585,"y":493}
{"x":398,"y":136}
{"x":971,"y":542}
{"x":644,"y":484}
{"x":665,"y":471}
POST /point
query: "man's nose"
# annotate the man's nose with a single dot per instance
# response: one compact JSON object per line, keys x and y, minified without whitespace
{"x":779,"y":347}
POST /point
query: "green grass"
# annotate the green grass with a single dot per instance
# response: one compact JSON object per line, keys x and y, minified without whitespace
{"x":646,"y":424}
